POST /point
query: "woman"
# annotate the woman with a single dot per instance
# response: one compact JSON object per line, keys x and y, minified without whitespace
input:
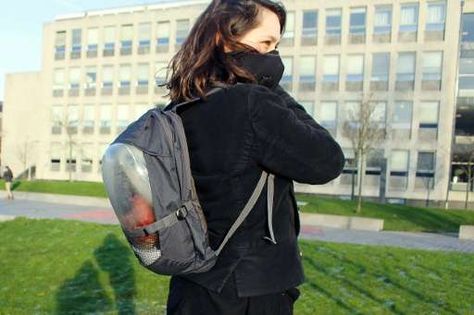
{"x":232,"y":135}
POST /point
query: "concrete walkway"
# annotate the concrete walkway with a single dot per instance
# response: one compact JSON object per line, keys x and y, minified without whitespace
{"x":36,"y":205}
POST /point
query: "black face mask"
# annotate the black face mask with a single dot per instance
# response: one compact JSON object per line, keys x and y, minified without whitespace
{"x":267,"y":68}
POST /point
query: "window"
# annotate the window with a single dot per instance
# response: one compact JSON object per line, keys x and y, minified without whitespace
{"x":60,"y":45}
{"x":435,"y":21}
{"x":378,"y":116}
{"x":308,"y":106}
{"x":74,"y":81}
{"x":91,"y":80}
{"x":144,"y":35}
{"x":328,"y":116}
{"x":57,"y":119}
{"x":309,"y":36}
{"x":357,"y":26}
{"x":405,"y":71}
{"x":124,"y":79}
{"x":72,"y":119}
{"x":307,"y":73}
{"x":142,"y":78}
{"x":160,"y":74}
{"x":382,"y":24}
{"x":76,"y":43}
{"x":432,"y":70}
{"x":399,"y":162}
{"x":468,"y":27}
{"x":55,"y":156}
{"x":141,"y":109}
{"x":92,"y":42}
{"x":330,"y":73}
{"x":428,"y":120}
{"x":58,"y":82}
{"x":107,"y":80}
{"x":288,"y":38}
{"x":466,"y":74}
{"x":374,"y":165}
{"x":88,"y":119}
{"x":163,"y":37}
{"x":109,"y":41}
{"x":351,"y":114}
{"x":408,"y":30}
{"x":425,"y":169}
{"x":333,"y":26}
{"x":86,"y":157}
{"x":287,"y":79}
{"x":126,"y":39}
{"x":122,"y":117}
{"x":401,"y":120}
{"x":182,"y":28}
{"x":105,"y":119}
{"x":380,"y":72}
{"x":71,"y":158}
{"x":355,"y":73}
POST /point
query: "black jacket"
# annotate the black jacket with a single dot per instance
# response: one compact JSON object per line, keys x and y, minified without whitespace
{"x":231,"y":137}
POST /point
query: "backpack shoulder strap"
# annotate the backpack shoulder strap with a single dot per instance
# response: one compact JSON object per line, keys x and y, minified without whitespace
{"x":245,"y":212}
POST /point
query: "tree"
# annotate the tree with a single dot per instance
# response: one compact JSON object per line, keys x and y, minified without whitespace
{"x":464,"y":156}
{"x":68,"y":123}
{"x":365,"y":127}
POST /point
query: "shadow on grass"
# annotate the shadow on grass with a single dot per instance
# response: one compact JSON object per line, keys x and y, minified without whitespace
{"x":85,"y":293}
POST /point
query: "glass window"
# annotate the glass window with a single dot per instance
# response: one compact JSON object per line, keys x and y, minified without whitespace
{"x":55,"y":156}
{"x":466,"y":74}
{"x":72,"y":118}
{"x":331,"y":68}
{"x":425,"y":162}
{"x":60,"y":45}
{"x":58,"y":79}
{"x":428,"y":114}
{"x":288,"y":36}
{"x":399,"y":161}
{"x":91,"y":77}
{"x":333,"y":22}
{"x":435,"y":16}
{"x":406,"y":71}
{"x":124,"y":75}
{"x":109,"y":35}
{"x":308,"y":106}
{"x":144,"y":36}
{"x":287,"y":79}
{"x":468,"y":27}
{"x":107,"y":76}
{"x":74,"y":77}
{"x":380,"y":67}
{"x":409,"y":17}
{"x":328,"y":115}
{"x":88,"y":118}
{"x":163,"y":34}
{"x":355,"y":68}
{"x":92,"y":38}
{"x":307,"y":72}
{"x":126,"y":39}
{"x":432,"y":70}
{"x":122,"y":116}
{"x":86,"y":157}
{"x":105,"y":119}
{"x":310,"y":27}
{"x":142,"y":74}
{"x":140,"y":109}
{"x":182,"y":29}
{"x":357,"y":21}
{"x":57,"y":119}
{"x":383,"y":20}
{"x":76,"y":40}
{"x":160,"y":72}
{"x":402,"y":115}
{"x":351,"y":111}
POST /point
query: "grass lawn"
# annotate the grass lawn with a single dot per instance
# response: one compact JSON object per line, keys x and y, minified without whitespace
{"x":78,"y":188}
{"x":70,"y":267}
{"x":396,"y":217}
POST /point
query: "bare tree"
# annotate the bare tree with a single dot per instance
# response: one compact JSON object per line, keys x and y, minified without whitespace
{"x":366,"y":129}
{"x":68,"y":123}
{"x":464,"y":155}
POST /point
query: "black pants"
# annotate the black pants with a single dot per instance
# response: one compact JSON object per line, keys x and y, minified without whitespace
{"x":188,"y":298}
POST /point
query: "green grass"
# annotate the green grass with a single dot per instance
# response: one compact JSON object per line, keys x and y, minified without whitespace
{"x":70,"y":267}
{"x":78,"y":188}
{"x":396,"y":217}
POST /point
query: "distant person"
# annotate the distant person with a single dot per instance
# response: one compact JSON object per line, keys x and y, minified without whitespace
{"x":8,"y":177}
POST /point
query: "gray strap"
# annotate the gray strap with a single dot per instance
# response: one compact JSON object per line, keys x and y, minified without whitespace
{"x":165,"y":222}
{"x":270,"y":190}
{"x":248,"y":207}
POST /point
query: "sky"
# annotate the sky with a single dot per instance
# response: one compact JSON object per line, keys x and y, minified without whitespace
{"x":21,"y":24}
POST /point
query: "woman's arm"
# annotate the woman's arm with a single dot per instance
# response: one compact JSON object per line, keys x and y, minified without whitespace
{"x":289,"y":141}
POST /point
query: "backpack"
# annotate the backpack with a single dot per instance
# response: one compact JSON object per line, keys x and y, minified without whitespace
{"x":147,"y":176}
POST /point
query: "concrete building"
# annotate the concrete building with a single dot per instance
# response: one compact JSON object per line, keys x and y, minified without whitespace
{"x":100,"y":67}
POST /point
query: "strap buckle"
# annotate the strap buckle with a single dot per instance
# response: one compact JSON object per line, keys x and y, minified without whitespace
{"x":181,"y":213}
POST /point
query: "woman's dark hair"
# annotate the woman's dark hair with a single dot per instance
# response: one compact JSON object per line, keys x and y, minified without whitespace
{"x":201,"y":61}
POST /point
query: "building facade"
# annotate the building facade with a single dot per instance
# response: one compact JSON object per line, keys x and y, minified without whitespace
{"x":100,"y":70}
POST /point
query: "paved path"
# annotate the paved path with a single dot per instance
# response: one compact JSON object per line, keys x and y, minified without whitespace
{"x":98,"y":210}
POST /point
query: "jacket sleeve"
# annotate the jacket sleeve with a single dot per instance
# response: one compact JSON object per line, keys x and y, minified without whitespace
{"x":289,"y":142}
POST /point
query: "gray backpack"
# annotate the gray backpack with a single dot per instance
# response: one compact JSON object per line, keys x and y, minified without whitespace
{"x":147,"y":175}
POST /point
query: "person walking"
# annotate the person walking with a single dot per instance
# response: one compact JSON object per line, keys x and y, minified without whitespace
{"x":8,"y":178}
{"x":250,"y":125}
